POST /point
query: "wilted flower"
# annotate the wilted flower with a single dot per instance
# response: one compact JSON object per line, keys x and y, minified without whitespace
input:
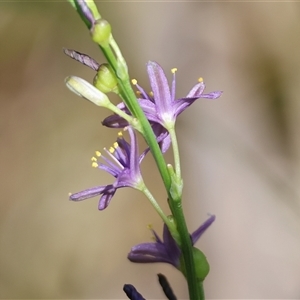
{"x":161,"y":107}
{"x":124,"y":165}
{"x":165,"y":250}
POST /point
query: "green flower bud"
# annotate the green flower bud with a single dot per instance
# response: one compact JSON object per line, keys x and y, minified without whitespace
{"x":101,"y":32}
{"x":201,"y":264}
{"x":105,"y":80}
{"x":87,"y":91}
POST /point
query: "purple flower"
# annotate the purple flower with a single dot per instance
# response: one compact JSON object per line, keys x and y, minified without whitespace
{"x":124,"y":165}
{"x":161,"y":108}
{"x":165,"y":250}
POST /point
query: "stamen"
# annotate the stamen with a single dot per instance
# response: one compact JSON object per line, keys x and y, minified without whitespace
{"x":134,"y":81}
{"x":173,"y":70}
{"x":138,"y":93}
{"x":70,"y":194}
{"x":200,"y":79}
{"x":94,"y":165}
{"x":111,"y":150}
{"x":116,"y":145}
{"x":151,"y":94}
{"x":150,"y":226}
{"x":120,"y":134}
{"x":98,"y":153}
{"x":93,"y":158}
{"x":111,"y":154}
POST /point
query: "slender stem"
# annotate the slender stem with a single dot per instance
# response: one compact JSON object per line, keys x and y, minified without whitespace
{"x":157,"y":207}
{"x":175,"y":152}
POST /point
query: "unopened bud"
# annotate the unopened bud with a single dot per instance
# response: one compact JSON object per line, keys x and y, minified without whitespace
{"x":105,"y":80}
{"x":86,"y":90}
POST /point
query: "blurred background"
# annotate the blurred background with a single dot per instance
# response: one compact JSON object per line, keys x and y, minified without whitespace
{"x":240,"y":154}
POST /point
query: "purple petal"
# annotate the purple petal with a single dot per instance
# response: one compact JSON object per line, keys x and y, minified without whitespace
{"x":160,"y":88}
{"x":148,"y":253}
{"x":114,"y":121}
{"x":198,"y":232}
{"x":150,"y":110}
{"x":82,"y":58}
{"x":172,"y":248}
{"x":181,"y":104}
{"x":88,"y":193}
{"x":86,"y":12}
{"x":162,"y":136}
{"x":134,"y":154}
{"x":212,"y":95}
{"x":106,"y":197}
{"x":196,"y":91}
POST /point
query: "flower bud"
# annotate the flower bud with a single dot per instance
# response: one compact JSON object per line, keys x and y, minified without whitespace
{"x":101,"y":32}
{"x":87,"y":91}
{"x":105,"y":80}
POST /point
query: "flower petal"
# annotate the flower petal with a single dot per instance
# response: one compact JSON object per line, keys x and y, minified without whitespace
{"x":88,"y":193}
{"x":212,"y":95}
{"x":160,"y":88}
{"x":134,"y":154}
{"x":149,"y":253}
{"x":114,"y":121}
{"x":198,"y":232}
{"x":106,"y":197}
{"x":172,"y":248}
{"x":196,"y":90}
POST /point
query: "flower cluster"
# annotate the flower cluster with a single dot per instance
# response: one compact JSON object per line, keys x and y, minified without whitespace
{"x":153,"y":115}
{"x":161,"y":109}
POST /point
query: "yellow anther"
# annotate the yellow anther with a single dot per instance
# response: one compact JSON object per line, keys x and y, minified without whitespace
{"x":174,"y":70}
{"x":200,"y":79}
{"x":93,"y":158}
{"x":134,"y":81}
{"x":70,"y":194}
{"x":138,"y":93}
{"x":151,"y":94}
{"x":116,"y":145}
{"x":98,"y":153}
{"x":120,"y":134}
{"x":150,"y":226}
{"x":111,"y":149}
{"x":94,"y":165}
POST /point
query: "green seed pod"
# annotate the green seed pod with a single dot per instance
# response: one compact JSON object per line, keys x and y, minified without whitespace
{"x":201,"y":264}
{"x":105,"y":79}
{"x":101,"y":32}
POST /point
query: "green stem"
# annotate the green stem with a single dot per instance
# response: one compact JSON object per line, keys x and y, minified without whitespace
{"x":154,"y":203}
{"x":202,"y":295}
{"x":186,"y":249}
{"x":175,"y":152}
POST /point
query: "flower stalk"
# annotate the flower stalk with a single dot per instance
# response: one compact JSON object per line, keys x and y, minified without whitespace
{"x":154,"y":117}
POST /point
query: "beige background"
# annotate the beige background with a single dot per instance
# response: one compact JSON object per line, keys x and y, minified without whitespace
{"x":240,"y":154}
